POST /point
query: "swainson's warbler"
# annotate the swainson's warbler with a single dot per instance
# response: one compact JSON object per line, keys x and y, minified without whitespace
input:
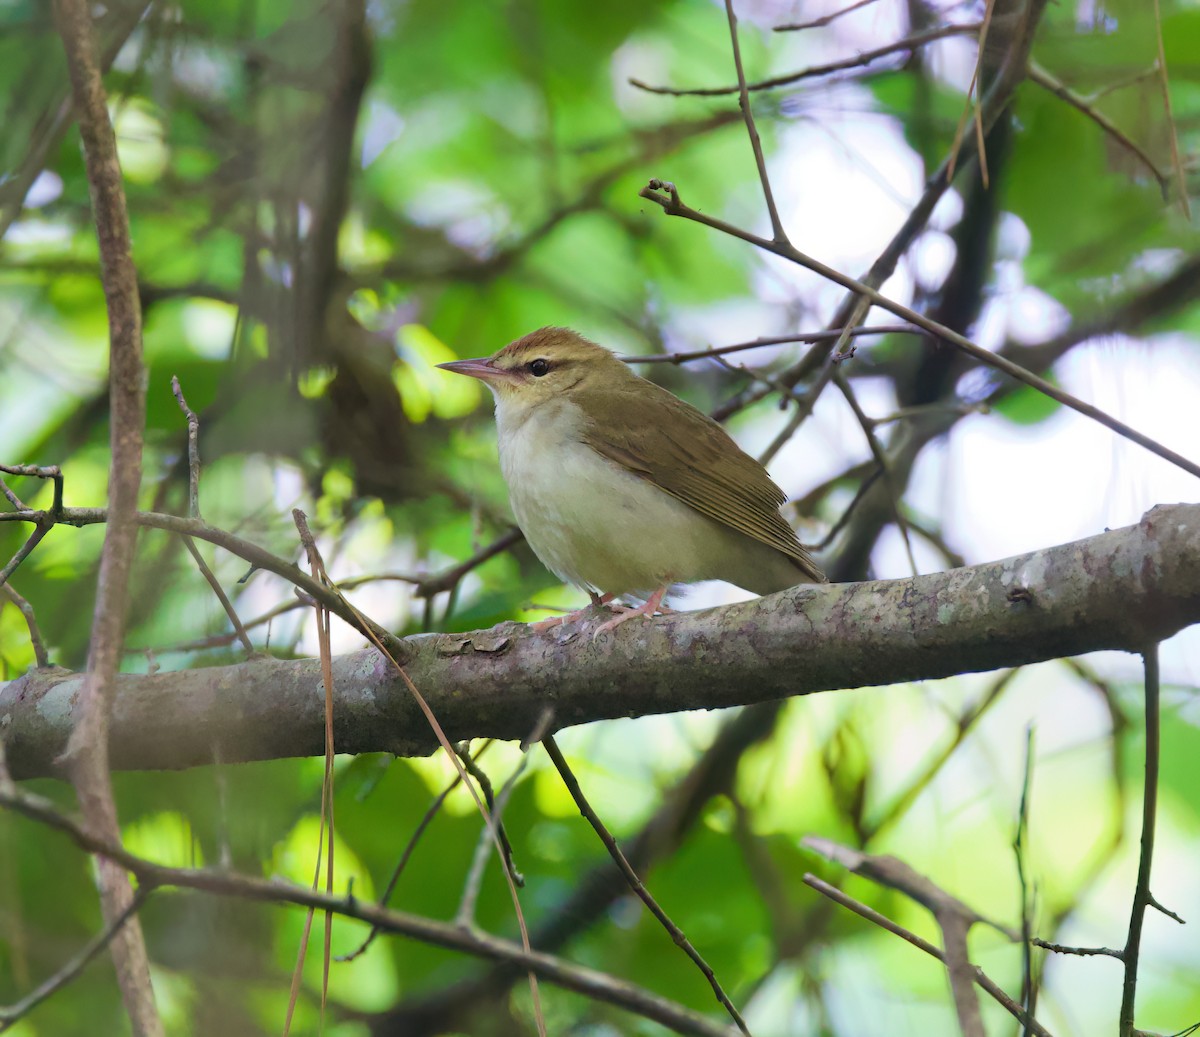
{"x":622,"y":488}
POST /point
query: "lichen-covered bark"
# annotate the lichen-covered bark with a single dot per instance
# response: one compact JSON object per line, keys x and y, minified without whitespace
{"x":1120,"y":590}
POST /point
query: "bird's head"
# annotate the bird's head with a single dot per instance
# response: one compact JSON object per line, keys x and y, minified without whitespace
{"x":545,"y":365}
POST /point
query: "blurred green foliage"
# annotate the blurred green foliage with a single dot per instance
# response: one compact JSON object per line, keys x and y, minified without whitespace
{"x":324,"y":203}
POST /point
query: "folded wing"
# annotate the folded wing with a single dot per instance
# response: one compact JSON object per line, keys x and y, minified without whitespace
{"x":695,"y":460}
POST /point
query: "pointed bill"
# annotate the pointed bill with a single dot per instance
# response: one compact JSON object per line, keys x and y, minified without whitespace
{"x":483,"y":369}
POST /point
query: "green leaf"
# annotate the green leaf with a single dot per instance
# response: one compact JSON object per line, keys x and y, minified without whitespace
{"x":1027,"y":405}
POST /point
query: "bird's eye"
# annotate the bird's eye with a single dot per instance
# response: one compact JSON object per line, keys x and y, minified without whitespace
{"x":538,"y":367}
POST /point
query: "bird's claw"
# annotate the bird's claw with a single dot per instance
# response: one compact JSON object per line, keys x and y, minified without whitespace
{"x":624,"y":613}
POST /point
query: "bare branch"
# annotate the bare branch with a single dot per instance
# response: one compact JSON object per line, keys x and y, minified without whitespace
{"x":1029,"y":988}
{"x":1044,"y":79}
{"x":466,"y":909}
{"x":680,"y":809}
{"x":635,"y":883}
{"x":1165,"y":83}
{"x":831,"y":335}
{"x":953,"y":917}
{"x":24,"y":551}
{"x":777,"y":231}
{"x":51,"y":472}
{"x":47,"y":519}
{"x":1083,"y":952}
{"x":1119,"y":590}
{"x":904,"y":46}
{"x":826,"y":19}
{"x":69,"y":972}
{"x":881,"y":459}
{"x":408,"y":851}
{"x":992,"y":106}
{"x":588,"y":982}
{"x":1141,"y":894}
{"x":210,"y":577}
{"x":871,"y":915}
{"x":87,"y":750}
{"x":40,"y":656}
{"x":257,"y":556}
{"x":666,"y":195}
{"x":193,"y":426}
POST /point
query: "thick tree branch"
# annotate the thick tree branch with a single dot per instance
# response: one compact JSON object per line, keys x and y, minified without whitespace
{"x":1119,"y":590}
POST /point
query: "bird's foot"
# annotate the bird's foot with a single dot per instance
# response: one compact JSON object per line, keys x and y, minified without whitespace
{"x":542,"y":625}
{"x":624,"y":613}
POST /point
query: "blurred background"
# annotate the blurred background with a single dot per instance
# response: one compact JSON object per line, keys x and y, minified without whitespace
{"x":328,"y":197}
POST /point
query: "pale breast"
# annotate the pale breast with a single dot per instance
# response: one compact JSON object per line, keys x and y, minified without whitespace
{"x":590,"y":521}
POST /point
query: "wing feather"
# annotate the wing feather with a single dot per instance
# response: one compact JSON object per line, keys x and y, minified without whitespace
{"x":692,"y":458}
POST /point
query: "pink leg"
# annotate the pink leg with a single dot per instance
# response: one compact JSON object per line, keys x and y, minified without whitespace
{"x":542,"y":625}
{"x":653,"y":604}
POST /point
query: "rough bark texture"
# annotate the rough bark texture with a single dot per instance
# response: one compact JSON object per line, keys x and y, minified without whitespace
{"x":86,"y":752}
{"x":1119,"y":590}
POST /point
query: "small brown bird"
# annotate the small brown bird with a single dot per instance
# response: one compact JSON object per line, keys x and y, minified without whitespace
{"x":621,"y":487}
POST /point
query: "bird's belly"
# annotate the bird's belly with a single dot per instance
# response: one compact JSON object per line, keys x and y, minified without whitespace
{"x":597,"y":525}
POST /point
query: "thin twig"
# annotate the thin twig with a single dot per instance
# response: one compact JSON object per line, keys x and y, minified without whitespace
{"x":409,"y":849}
{"x":13,"y":499}
{"x":257,"y":556}
{"x":1176,"y":159}
{"x":785,"y":384}
{"x":1121,"y":84}
{"x":10,"y":1014}
{"x":239,"y":631}
{"x":932,"y":536}
{"x":981,"y":979}
{"x":428,"y":586}
{"x":666,"y":195}
{"x":952,"y":915}
{"x":471,"y":764}
{"x":909,"y":43}
{"x":369,"y":629}
{"x":33,"y":471}
{"x":881,"y":459}
{"x":1141,"y":894}
{"x":1028,"y":980}
{"x":1059,"y":89}
{"x":425,"y":585}
{"x":920,"y":410}
{"x":829,"y":335}
{"x":635,"y":883}
{"x":318,"y":573}
{"x":1165,"y":911}
{"x":40,"y":656}
{"x":994,"y":103}
{"x":1083,"y":952}
{"x":224,"y":883}
{"x":972,"y":91}
{"x":846,"y":515}
{"x":964,"y":724}
{"x":777,"y":232}
{"x":804,"y":408}
{"x":680,"y":809}
{"x":24,"y":551}
{"x":47,"y":518}
{"x":465,"y":915}
{"x":824,"y":20}
{"x":193,"y":424}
